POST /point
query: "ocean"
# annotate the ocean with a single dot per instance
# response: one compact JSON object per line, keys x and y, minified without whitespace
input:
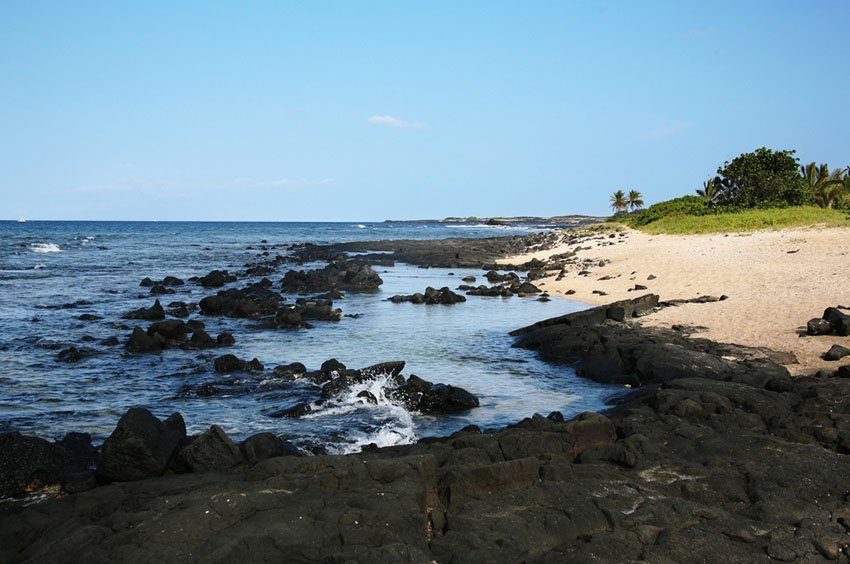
{"x":96,"y":267}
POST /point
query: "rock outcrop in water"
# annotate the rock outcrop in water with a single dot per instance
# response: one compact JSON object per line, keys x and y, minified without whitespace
{"x":342,"y":275}
{"x":174,"y":333}
{"x":215,"y":279}
{"x":153,"y":313}
{"x":167,"y":281}
{"x":258,"y":301}
{"x":431,"y":296}
{"x":414,"y":393}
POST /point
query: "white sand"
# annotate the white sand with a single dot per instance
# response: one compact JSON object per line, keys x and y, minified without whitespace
{"x":772,"y":292}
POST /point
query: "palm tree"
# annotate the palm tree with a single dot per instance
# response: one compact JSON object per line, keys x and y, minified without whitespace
{"x":635,"y":200}
{"x":826,"y":189}
{"x":710,"y":190}
{"x":844,"y":197}
{"x":619,"y":203}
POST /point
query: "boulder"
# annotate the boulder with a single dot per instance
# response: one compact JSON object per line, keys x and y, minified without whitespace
{"x":141,"y":446}
{"x":836,"y":352}
{"x":212,"y":451}
{"x":141,"y":342}
{"x":202,"y":340}
{"x":153,"y":313}
{"x":423,"y":396}
{"x":818,"y":326}
{"x":333,"y":367}
{"x":160,"y":290}
{"x":263,"y":446}
{"x":294,"y":412}
{"x":73,"y":354}
{"x":225,"y":339}
{"x":231,"y":363}
{"x":431,"y":296}
{"x":294,"y":369}
{"x":89,"y":317}
{"x":172,"y":331}
{"x":216,"y":279}
{"x":526,"y":288}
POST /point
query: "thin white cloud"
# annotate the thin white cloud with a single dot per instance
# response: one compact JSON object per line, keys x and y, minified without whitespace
{"x":668,"y":130}
{"x":390,"y":121}
{"x":277,"y":183}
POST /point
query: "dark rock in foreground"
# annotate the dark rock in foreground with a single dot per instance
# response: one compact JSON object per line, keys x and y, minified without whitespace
{"x":27,"y":463}
{"x":209,"y":452}
{"x":836,"y":352}
{"x":833,"y":321}
{"x":141,"y":446}
{"x":724,"y":458}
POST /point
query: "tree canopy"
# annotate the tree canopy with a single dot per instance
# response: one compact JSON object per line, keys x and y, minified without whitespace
{"x":762,"y":177}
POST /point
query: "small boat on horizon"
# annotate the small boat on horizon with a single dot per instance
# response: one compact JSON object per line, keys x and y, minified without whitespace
{"x":22,"y":220}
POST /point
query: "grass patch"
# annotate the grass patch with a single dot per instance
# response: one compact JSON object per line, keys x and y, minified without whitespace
{"x":748,"y":220}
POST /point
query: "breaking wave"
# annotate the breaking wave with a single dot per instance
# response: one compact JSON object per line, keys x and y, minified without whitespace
{"x":45,"y":248}
{"x":387,"y":424}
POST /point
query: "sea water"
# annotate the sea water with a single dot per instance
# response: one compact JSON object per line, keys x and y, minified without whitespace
{"x":46,"y":265}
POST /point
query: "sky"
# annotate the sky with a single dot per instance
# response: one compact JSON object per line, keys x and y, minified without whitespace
{"x":365,"y":111}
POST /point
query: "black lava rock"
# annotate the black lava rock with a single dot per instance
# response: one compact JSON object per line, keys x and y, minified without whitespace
{"x":141,"y":446}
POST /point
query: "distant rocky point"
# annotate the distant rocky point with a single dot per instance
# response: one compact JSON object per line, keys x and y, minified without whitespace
{"x":556,"y":220}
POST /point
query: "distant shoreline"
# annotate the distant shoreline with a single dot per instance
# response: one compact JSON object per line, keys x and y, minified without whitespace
{"x":557,"y":220}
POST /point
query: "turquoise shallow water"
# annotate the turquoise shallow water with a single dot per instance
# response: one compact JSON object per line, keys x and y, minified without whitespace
{"x":47,"y":264}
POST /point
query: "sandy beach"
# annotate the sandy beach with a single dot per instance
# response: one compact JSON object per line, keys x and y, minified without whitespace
{"x":775,"y":282}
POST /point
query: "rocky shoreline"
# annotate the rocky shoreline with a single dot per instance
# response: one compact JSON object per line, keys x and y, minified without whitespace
{"x":712,"y":454}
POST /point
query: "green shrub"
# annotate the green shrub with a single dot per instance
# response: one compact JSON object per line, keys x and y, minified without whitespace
{"x":762,"y":177}
{"x":686,"y":205}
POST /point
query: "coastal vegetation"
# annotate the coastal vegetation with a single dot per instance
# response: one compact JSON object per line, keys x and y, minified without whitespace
{"x":764,"y":189}
{"x":622,"y":202}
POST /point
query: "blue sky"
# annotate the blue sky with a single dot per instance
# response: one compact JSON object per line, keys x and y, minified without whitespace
{"x":374,"y":110}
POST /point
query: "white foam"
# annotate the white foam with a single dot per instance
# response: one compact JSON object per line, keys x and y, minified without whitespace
{"x":360,"y":226}
{"x":39,"y":266}
{"x":399,"y":428}
{"x":45,"y":248}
